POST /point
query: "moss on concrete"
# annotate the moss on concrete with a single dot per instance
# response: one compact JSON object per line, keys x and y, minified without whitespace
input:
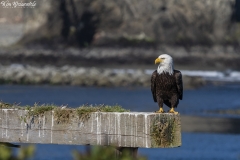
{"x":39,"y":110}
{"x":162,"y":132}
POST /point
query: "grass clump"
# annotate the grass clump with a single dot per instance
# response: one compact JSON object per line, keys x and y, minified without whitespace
{"x":116,"y":108}
{"x":35,"y":110}
{"x":85,"y":110}
{"x":39,"y":110}
{"x":63,"y":115}
{"x":4,"y":105}
{"x":101,"y":108}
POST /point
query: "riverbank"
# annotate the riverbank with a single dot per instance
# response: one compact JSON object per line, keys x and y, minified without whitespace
{"x":83,"y":76}
{"x":192,"y":58}
{"x":104,"y":77}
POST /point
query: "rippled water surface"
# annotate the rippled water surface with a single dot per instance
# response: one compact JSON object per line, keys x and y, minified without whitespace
{"x":196,"y":102}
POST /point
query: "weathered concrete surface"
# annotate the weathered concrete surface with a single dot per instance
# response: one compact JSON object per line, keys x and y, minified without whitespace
{"x":127,"y":129}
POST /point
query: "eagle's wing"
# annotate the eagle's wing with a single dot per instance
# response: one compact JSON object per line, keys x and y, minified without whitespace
{"x":153,"y":85}
{"x":178,"y":77}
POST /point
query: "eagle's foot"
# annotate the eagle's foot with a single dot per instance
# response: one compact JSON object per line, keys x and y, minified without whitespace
{"x":160,"y":111}
{"x":172,"y":111}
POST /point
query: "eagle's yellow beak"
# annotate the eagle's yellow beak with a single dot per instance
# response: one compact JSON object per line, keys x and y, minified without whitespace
{"x":158,"y":60}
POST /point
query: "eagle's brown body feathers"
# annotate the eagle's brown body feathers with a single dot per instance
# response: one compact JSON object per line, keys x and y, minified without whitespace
{"x":166,"y":88}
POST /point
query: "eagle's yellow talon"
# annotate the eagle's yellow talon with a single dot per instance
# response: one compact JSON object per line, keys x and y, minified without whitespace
{"x":160,"y":111}
{"x":172,"y":111}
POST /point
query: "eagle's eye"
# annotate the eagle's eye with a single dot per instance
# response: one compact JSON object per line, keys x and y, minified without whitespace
{"x":162,"y":58}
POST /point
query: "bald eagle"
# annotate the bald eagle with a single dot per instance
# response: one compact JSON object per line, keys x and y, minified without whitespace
{"x":166,"y":84}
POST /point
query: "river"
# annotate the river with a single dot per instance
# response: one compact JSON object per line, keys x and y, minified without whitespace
{"x":195,"y":102}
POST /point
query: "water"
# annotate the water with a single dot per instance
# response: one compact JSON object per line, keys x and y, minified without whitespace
{"x":136,"y":99}
{"x":196,"y":146}
{"x":199,"y":146}
{"x":196,"y":102}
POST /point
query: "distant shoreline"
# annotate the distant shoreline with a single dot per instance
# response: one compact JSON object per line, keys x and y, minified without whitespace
{"x":103,"y":77}
{"x":110,"y":67}
{"x":220,"y":58}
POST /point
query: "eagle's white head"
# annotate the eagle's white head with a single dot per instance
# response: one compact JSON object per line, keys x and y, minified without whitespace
{"x":165,"y":64}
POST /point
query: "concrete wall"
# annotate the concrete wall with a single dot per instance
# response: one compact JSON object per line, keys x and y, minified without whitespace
{"x":127,"y":129}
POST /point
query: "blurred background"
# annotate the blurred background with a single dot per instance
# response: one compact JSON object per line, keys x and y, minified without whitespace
{"x":74,"y":52}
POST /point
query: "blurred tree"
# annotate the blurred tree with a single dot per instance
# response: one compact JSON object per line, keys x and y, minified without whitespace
{"x":236,"y":9}
{"x":130,"y":23}
{"x":104,"y":153}
{"x":86,"y":29}
{"x":7,"y":153}
{"x":65,"y":19}
{"x":63,"y":22}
